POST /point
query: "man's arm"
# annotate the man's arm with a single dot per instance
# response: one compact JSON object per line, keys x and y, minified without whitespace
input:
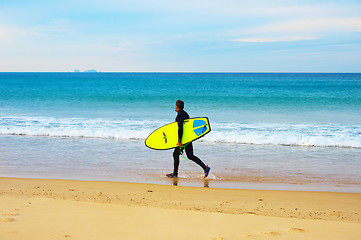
{"x":180,"y":131}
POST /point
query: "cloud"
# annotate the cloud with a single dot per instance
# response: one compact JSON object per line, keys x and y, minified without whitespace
{"x":134,"y":46}
{"x":298,"y":30}
{"x":301,"y":10}
{"x":310,"y":26}
{"x":9,"y":32}
{"x":55,"y":27}
{"x":230,"y":7}
{"x":276,"y":39}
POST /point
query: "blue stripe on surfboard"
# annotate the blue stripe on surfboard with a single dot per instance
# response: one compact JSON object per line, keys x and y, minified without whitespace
{"x":201,"y":130}
{"x":197,"y":123}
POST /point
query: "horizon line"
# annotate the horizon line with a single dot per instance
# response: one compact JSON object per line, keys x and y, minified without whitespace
{"x":85,"y":72}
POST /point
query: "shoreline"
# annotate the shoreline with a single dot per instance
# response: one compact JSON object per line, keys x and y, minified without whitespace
{"x":233,"y":166}
{"x":216,"y":183}
{"x":72,"y":209}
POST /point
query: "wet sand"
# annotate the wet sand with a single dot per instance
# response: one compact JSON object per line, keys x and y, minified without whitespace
{"x":66,"y":209}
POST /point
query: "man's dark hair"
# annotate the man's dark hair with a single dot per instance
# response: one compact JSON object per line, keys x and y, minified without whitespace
{"x":180,"y":104}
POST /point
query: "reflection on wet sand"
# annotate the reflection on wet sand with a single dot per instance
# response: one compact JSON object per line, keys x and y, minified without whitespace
{"x":206,"y":182}
{"x":175,"y":182}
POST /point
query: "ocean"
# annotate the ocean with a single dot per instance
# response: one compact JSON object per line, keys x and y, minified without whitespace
{"x":288,"y":131}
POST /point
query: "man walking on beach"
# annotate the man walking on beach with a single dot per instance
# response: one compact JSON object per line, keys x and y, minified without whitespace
{"x":181,"y":116}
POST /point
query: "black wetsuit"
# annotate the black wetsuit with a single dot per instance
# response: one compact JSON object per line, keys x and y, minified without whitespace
{"x":183,"y":115}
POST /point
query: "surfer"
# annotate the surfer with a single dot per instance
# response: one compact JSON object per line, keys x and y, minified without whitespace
{"x":181,"y":116}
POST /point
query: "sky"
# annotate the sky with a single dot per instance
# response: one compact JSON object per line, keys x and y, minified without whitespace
{"x":180,"y":36}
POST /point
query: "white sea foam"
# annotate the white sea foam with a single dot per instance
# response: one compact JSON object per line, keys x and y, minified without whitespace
{"x":330,"y":135}
{"x":76,"y":127}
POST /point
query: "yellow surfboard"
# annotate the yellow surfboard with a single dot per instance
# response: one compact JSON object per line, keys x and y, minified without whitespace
{"x":166,"y":137}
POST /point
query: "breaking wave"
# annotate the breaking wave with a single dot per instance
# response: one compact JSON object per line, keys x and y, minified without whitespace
{"x":319,"y":135}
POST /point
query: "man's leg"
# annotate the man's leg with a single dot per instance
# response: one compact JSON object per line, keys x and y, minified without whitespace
{"x":176,"y":154}
{"x":190,"y":155}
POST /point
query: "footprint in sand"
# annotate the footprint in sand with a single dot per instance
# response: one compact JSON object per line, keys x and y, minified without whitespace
{"x":7,"y":219}
{"x":27,"y":204}
{"x":249,"y":236}
{"x":296,"y":230}
{"x":10,"y":214}
{"x":272,"y":234}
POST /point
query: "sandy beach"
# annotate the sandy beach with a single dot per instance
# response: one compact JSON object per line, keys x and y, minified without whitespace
{"x":66,"y":209}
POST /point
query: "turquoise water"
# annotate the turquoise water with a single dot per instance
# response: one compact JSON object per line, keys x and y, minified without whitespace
{"x":148,"y":95}
{"x":256,"y":118}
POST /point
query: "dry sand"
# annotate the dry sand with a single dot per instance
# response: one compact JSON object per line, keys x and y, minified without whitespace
{"x":65,"y":209}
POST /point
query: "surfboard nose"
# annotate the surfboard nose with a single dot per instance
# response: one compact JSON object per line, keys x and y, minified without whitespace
{"x":199,"y":127}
